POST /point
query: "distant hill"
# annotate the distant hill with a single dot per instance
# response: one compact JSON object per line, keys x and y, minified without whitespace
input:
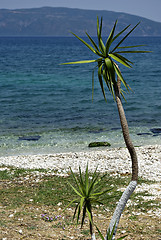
{"x":49,"y":21}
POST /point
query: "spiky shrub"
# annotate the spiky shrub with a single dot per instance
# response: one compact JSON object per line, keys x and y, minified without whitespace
{"x":108,"y":58}
{"x":89,"y":191}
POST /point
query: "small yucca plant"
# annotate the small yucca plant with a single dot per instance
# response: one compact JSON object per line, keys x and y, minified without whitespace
{"x":89,"y":191}
{"x":109,"y":235}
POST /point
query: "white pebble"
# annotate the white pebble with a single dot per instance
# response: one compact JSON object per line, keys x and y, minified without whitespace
{"x":20,"y":231}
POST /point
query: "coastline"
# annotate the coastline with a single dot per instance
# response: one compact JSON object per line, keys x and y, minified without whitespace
{"x":112,"y":160}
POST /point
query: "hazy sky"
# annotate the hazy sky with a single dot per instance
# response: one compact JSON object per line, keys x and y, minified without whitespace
{"x":146,"y":8}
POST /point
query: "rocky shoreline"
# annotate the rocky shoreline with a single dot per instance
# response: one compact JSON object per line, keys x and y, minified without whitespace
{"x":113,"y":160}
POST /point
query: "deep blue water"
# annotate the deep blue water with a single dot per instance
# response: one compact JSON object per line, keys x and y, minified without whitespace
{"x":40,"y":97}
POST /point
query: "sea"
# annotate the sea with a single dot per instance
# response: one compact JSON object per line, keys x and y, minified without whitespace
{"x":47,"y":108}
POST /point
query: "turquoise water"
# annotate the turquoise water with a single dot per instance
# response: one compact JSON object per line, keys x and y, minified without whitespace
{"x":51,"y":105}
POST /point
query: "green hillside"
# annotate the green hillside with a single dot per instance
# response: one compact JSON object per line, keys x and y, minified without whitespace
{"x":49,"y":21}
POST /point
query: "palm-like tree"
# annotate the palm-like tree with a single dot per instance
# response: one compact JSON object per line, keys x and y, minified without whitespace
{"x":109,"y":73}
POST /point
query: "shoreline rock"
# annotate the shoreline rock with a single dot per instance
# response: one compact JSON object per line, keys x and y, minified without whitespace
{"x":99,"y":144}
{"x":29,"y":138}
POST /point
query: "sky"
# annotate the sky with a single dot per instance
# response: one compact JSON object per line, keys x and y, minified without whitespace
{"x":144,"y":8}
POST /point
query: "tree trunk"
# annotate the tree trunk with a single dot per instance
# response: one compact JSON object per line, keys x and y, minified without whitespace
{"x":125,"y":131}
{"x":132,"y":185}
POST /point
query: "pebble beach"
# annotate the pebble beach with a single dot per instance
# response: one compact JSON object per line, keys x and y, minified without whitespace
{"x":113,"y":160}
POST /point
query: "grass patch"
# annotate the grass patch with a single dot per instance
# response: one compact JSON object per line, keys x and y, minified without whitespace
{"x":5,"y":175}
{"x":2,"y":223}
{"x":50,"y":190}
{"x":85,"y":232}
{"x":38,"y":191}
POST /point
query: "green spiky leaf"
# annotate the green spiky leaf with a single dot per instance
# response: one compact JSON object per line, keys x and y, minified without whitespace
{"x":86,"y":180}
{"x":121,"y":32}
{"x":100,"y":80}
{"x":80,"y":62}
{"x":71,"y":202}
{"x":122,"y":237}
{"x":119,"y":59}
{"x":99,"y":33}
{"x":100,"y":234}
{"x":93,"y":43}
{"x":84,"y":42}
{"x":123,"y":39}
{"x":110,"y":38}
{"x":75,"y":190}
{"x":118,"y":72}
{"x":76,"y":181}
{"x":132,"y":46}
{"x":110,"y":68}
{"x":133,"y":52}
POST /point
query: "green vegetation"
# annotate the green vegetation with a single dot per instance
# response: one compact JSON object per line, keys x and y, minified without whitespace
{"x":49,"y":189}
{"x":29,"y":190}
{"x":89,"y":191}
{"x":109,"y":234}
